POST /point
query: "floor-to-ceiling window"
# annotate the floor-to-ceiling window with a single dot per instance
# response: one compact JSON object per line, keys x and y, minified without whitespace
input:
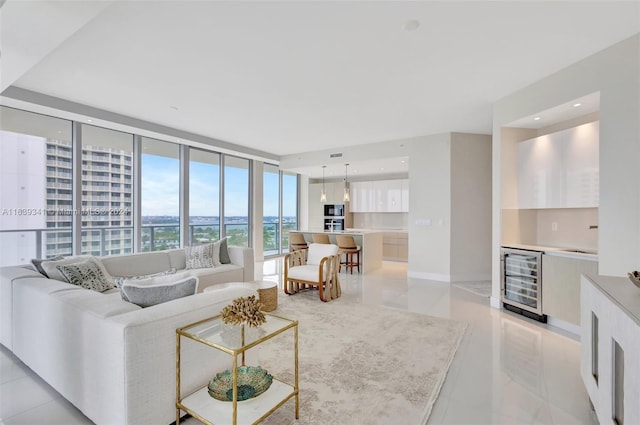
{"x":107,"y":181}
{"x":35,"y":186}
{"x":289,"y":207}
{"x":160,"y":194}
{"x":45,"y":212}
{"x":271,"y":209}
{"x":204,"y":196}
{"x":236,"y":200}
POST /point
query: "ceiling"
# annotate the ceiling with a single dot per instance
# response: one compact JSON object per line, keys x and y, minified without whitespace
{"x":291,"y":77}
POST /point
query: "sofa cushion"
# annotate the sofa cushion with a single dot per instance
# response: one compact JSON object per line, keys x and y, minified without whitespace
{"x":146,"y":295}
{"x":222,"y":274}
{"x":87,"y":274}
{"x":141,"y":263}
{"x":199,"y":256}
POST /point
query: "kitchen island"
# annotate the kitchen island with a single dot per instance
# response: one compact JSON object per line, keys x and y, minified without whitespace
{"x":370,"y":242}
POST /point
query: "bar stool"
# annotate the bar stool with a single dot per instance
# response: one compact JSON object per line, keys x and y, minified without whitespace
{"x":347,"y":246}
{"x":320,"y":238}
{"x":297,"y":241}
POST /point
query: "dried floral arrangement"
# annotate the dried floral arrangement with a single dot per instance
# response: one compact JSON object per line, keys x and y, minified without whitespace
{"x":244,"y":310}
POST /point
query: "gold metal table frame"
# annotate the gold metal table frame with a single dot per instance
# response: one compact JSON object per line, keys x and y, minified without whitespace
{"x":211,"y":411}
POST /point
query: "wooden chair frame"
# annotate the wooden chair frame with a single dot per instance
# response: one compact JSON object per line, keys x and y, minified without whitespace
{"x":328,"y":284}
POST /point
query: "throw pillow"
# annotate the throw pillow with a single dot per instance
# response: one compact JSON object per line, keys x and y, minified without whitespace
{"x":51,"y":267}
{"x":37,"y":263}
{"x":148,"y":295}
{"x":224,"y":252}
{"x":87,"y":274}
{"x":199,"y":256}
{"x":216,"y":254}
{"x":152,"y":281}
{"x":119,"y":280}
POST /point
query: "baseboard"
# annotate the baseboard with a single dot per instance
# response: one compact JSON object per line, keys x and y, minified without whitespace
{"x":471,"y":277}
{"x":429,"y":276}
{"x":449,"y":278}
{"x":565,"y":326}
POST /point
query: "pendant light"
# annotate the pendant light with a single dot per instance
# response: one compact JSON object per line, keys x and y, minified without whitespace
{"x":323,"y":195}
{"x":347,"y":196}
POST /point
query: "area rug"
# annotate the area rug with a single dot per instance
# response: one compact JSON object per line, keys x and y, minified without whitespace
{"x":479,"y":288}
{"x":360,"y":364}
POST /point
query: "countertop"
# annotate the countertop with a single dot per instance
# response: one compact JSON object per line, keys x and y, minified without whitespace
{"x":341,"y":232}
{"x":621,"y":291}
{"x":556,"y":251}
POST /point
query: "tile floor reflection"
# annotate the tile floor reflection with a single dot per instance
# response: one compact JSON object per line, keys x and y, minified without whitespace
{"x":508,"y":369}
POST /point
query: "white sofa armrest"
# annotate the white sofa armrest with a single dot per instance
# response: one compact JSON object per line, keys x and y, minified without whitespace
{"x":242,"y":256}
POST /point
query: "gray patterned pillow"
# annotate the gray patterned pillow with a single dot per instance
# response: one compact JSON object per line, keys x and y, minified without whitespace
{"x":199,"y":256}
{"x":224,"y":252}
{"x":119,"y":280}
{"x":148,"y":295}
{"x":87,"y":274}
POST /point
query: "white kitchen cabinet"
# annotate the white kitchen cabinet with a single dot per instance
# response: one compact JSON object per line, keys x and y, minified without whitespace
{"x":361,"y":197}
{"x":404,"y":207}
{"x":380,"y":196}
{"x":540,"y":172}
{"x":560,"y":170}
{"x":581,"y":168}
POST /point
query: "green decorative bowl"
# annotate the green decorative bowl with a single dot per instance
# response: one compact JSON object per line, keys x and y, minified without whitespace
{"x":252,"y":381}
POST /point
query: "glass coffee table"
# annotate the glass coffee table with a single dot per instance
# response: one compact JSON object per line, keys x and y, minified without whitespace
{"x":235,"y":341}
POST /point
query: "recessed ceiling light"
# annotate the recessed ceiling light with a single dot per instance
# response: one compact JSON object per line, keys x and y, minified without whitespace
{"x":411,"y":25}
{"x":402,"y":161}
{"x":575,"y":105}
{"x":89,"y":120}
{"x":536,"y":118}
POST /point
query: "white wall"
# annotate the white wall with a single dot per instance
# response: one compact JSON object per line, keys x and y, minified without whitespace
{"x":430,"y":199}
{"x":615,"y":73}
{"x":470,"y":207}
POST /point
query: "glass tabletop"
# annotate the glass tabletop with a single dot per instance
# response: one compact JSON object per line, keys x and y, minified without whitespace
{"x":217,"y":333}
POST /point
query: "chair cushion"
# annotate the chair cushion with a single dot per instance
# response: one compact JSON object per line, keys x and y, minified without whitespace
{"x":307,"y":272}
{"x":318,"y":251}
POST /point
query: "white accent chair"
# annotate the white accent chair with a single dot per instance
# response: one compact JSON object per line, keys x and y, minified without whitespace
{"x":319,"y":269}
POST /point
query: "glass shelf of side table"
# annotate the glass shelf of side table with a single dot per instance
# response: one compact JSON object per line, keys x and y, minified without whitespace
{"x":214,"y":333}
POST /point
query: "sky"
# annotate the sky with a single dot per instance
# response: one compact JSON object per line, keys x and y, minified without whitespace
{"x":161,"y":183}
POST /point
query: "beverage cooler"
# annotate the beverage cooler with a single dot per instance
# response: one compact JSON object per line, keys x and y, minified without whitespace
{"x":521,"y":286}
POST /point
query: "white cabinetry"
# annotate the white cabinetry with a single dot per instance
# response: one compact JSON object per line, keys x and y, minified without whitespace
{"x":609,"y":348}
{"x":380,"y":196}
{"x":405,"y":195}
{"x":581,"y":169}
{"x":361,"y":197}
{"x":560,"y":170}
{"x":540,"y":172}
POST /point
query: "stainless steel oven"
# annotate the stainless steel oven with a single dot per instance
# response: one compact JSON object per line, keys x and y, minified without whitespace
{"x":334,"y":210}
{"x":521,"y":282}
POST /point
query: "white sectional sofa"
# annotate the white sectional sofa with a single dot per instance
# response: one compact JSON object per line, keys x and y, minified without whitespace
{"x":112,"y":359}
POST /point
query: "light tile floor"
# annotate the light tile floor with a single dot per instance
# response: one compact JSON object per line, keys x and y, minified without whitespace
{"x":508,"y":369}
